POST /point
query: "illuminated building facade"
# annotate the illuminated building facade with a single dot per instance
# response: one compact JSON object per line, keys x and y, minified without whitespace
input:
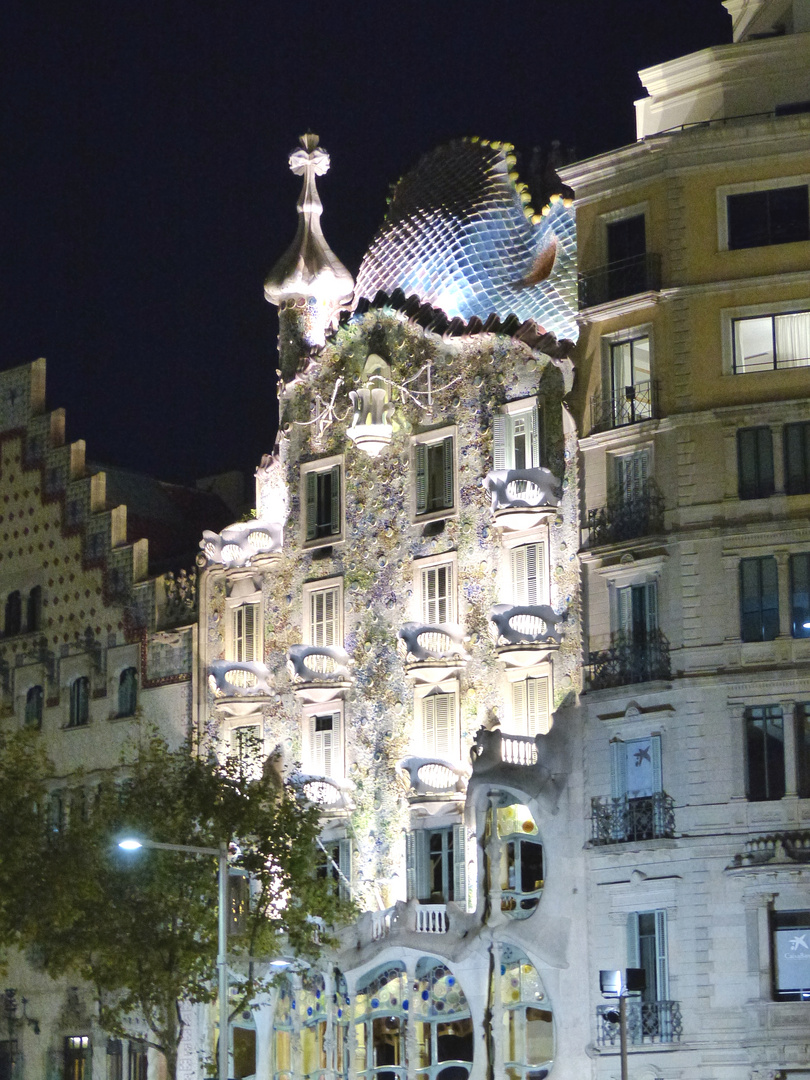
{"x":693,"y":405}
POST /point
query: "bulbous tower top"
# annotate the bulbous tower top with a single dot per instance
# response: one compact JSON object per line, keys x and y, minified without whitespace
{"x":309,"y":269}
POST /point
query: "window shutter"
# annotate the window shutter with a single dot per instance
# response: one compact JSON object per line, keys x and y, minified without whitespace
{"x":333,"y":764}
{"x":420,"y":459}
{"x":429,"y":725}
{"x":536,"y":706}
{"x":657,"y":771}
{"x":249,"y":612}
{"x":618,"y":770}
{"x":314,"y":763}
{"x":633,"y":950}
{"x":329,"y":619}
{"x":312,"y":505}
{"x":519,"y":717}
{"x":534,"y":419}
{"x":651,"y":605}
{"x":443,"y":724}
{"x":410,"y":865}
{"x":460,"y":865}
{"x":661,"y":964}
{"x":335,"y":525}
{"x":624,"y":599}
{"x":422,"y":865}
{"x":448,"y":472}
{"x":519,"y":575}
{"x":533,"y":564}
{"x":345,"y":864}
{"x":499,"y":428}
{"x":429,"y":605}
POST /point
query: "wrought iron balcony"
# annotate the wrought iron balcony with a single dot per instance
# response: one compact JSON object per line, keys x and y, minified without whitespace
{"x":624,"y":277}
{"x":647,"y":1022}
{"x":630,"y":660}
{"x":628,"y":405}
{"x":627,"y":518}
{"x":618,"y":821}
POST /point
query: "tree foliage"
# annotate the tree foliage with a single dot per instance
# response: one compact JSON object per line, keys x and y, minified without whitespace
{"x":141,"y":927}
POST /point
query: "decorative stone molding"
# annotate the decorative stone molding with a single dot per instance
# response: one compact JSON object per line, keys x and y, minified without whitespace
{"x":433,"y":776}
{"x":530,"y":625}
{"x":519,"y":496}
{"x":231,"y":678}
{"x":238,"y":544}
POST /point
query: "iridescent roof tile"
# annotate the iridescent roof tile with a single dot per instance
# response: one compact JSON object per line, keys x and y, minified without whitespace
{"x":460,"y":236}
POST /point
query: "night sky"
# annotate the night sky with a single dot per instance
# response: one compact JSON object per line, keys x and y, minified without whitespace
{"x":145,"y":191}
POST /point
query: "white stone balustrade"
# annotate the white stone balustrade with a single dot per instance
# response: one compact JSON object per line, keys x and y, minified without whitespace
{"x":432,"y":919}
{"x":381,"y":924}
{"x":518,"y":749}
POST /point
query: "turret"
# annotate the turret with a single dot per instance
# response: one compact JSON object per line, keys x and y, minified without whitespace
{"x":309,"y":284}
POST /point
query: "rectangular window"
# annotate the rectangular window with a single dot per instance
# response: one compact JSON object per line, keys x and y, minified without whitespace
{"x":247,"y":746}
{"x":138,"y":1062}
{"x":626,"y":249}
{"x":803,"y":748}
{"x":435,"y":475}
{"x":528,"y":575}
{"x":323,"y":502}
{"x":765,"y":753}
{"x":790,"y":944}
{"x":325,"y":611}
{"x":324,"y":747}
{"x":632,"y":475}
{"x":530,"y":706}
{"x":435,"y":865}
{"x":755,"y":463}
{"x":768,"y":342}
{"x":779,"y":215}
{"x":636,"y":781}
{"x":797,"y":458}
{"x":516,"y":437}
{"x":76,"y":1054}
{"x":630,"y":397}
{"x":638,"y":610}
{"x":759,"y":599}
{"x":79,"y":702}
{"x":115,"y":1060}
{"x":800,"y":595}
{"x":335,"y":865}
{"x":440,"y":726}
{"x":647,"y":949}
{"x":246,"y":633}
{"x":436,"y":588}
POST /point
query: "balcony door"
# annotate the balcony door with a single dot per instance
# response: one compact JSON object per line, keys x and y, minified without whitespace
{"x":647,"y":949}
{"x":636,"y":779}
{"x":435,"y":865}
{"x":638,"y":611}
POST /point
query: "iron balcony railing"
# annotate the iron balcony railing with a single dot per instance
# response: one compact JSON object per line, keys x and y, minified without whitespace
{"x":627,"y":517}
{"x":628,"y":405}
{"x":630,"y":659}
{"x":617,"y":821}
{"x":624,"y":277}
{"x":647,"y":1022}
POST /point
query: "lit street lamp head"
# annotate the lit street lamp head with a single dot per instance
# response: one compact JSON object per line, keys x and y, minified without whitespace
{"x":129,"y":843}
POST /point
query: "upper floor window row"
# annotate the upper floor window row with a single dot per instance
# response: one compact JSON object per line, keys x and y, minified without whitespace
{"x":770,"y":342}
{"x":756,"y":478}
{"x":767,"y":214}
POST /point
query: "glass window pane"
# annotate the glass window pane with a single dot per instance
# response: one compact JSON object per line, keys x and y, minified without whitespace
{"x":753,"y":344}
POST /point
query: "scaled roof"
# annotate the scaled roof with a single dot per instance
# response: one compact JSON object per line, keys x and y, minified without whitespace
{"x":460,"y":235}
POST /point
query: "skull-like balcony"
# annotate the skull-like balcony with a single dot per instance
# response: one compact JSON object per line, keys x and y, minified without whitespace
{"x":432,"y":653}
{"x":433,"y":776}
{"x":325,"y":791}
{"x":523,"y":634}
{"x":319,"y":672}
{"x":238,"y":544}
{"x":521,"y":497}
{"x":235,"y":679}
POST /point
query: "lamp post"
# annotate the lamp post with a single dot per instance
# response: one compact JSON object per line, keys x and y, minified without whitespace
{"x":221,"y":853}
{"x":613,"y":985}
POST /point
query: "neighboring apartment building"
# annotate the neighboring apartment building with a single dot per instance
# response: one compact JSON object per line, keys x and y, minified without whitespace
{"x":400,"y":623}
{"x":90,"y":645}
{"x":693,"y":403}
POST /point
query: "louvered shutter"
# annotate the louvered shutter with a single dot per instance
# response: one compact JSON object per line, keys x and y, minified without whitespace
{"x":312,"y":505}
{"x":536,"y":706}
{"x":429,"y":724}
{"x":429,"y":604}
{"x":314,"y":763}
{"x":460,"y":865}
{"x":420,"y":460}
{"x":443,"y":724}
{"x":661,"y":963}
{"x":633,"y":948}
{"x":448,"y":472}
{"x":316,"y":617}
{"x":345,"y":864}
{"x":618,"y":770}
{"x":657,"y":771}
{"x":519,"y":718}
{"x":519,"y":575}
{"x":651,"y":605}
{"x":410,"y":865}
{"x":499,"y":430}
{"x":534,"y":420}
{"x":329,"y":616}
{"x":442,"y":594}
{"x":250,"y":613}
{"x":624,"y":598}
{"x":335,"y":523}
{"x":633,"y":470}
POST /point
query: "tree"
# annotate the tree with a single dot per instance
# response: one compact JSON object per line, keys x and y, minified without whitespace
{"x":142,"y":930}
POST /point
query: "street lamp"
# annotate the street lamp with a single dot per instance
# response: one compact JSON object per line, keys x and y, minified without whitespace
{"x":613,"y":985}
{"x":221,"y":853}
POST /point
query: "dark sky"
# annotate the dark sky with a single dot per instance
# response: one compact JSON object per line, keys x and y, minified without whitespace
{"x":145,"y":191}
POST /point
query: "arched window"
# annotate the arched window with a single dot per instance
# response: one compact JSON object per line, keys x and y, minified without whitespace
{"x":34,"y":614}
{"x":444,"y":1029}
{"x":33,"y":707}
{"x":127,"y":692}
{"x":521,"y":861}
{"x":283,"y":1031}
{"x":380,"y":1016}
{"x":13,"y":623}
{"x":79,"y":702}
{"x":313,"y":1008}
{"x":528,"y":1029}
